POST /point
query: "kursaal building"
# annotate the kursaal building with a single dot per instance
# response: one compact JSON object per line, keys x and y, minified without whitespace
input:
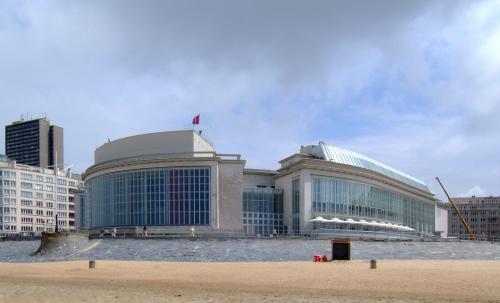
{"x":172,"y":181}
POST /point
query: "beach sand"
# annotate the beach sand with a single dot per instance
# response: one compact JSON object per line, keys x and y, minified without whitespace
{"x":126,"y":281}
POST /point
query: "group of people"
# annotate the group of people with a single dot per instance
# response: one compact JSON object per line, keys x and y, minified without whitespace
{"x":113,"y":232}
{"x":104,"y":232}
{"x":145,"y":232}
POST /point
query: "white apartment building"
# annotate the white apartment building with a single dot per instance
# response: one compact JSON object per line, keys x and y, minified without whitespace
{"x":31,"y":198}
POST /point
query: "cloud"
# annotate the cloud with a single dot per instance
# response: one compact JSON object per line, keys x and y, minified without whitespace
{"x":476,"y":190}
{"x":410,"y":83}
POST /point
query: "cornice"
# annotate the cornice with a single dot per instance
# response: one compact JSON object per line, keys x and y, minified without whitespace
{"x":135,"y":162}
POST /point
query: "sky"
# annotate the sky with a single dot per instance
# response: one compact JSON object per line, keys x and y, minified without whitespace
{"x":412,"y":84}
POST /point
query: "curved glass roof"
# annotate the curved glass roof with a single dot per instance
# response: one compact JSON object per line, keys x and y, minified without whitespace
{"x":345,"y":156}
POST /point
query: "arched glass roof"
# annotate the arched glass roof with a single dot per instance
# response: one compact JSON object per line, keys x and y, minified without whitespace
{"x":345,"y":156}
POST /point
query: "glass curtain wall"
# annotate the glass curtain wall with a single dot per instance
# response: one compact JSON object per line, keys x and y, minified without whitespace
{"x":263,"y":211}
{"x":349,"y":199}
{"x":179,"y":196}
{"x":296,"y":206}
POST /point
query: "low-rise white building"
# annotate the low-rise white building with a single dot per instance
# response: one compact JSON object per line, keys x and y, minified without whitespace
{"x":173,"y":181}
{"x":442,"y":219}
{"x":31,"y":198}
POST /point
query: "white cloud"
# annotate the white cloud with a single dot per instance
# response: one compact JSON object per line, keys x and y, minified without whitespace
{"x":414,"y":80}
{"x":476,"y":190}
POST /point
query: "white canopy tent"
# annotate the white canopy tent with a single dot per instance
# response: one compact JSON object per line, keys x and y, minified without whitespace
{"x":363,"y":223}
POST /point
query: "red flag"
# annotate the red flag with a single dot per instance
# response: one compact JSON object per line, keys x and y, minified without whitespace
{"x":196,"y":119}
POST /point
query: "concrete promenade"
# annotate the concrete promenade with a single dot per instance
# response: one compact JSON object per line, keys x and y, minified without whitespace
{"x":240,"y":250}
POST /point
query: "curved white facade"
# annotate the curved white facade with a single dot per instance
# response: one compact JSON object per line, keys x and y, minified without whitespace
{"x":169,"y":179}
{"x":174,"y":144}
{"x":333,"y":190}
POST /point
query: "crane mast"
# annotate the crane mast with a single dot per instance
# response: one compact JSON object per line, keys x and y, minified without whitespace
{"x":467,"y":227}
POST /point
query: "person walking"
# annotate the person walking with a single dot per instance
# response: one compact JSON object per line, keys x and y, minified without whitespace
{"x":145,"y":231}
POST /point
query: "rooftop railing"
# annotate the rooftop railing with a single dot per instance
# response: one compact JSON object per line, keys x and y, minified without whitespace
{"x":185,"y":155}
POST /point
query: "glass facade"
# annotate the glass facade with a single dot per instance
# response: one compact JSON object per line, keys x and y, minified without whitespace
{"x":348,"y":199}
{"x":263,"y":211}
{"x":22,"y":142}
{"x":296,"y":206}
{"x":176,"y":196}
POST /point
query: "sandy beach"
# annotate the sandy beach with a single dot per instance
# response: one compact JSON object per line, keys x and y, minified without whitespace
{"x":126,"y":281}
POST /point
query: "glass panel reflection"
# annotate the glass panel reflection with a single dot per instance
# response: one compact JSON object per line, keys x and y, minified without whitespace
{"x":179,"y":196}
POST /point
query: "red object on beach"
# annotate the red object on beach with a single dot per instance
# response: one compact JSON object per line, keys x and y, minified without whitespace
{"x":324,"y":259}
{"x":317,"y":258}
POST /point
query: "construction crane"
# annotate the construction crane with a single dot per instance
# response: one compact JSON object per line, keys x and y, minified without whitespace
{"x":467,"y":227}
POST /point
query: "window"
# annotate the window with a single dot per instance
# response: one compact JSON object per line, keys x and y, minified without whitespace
{"x":336,"y":197}
{"x":61,"y":206}
{"x":265,"y":204}
{"x":26,"y":211}
{"x":39,"y":212}
{"x":9,"y":192}
{"x":50,"y":197}
{"x":296,"y":206}
{"x":26,"y":185}
{"x":61,"y":190}
{"x":9,"y":210}
{"x":49,"y":188}
{"x":49,"y":179}
{"x":26,"y":203}
{"x":26,"y":194}
{"x":50,"y":205}
{"x":9,"y":183}
{"x":26,"y":176}
{"x":38,"y":186}
{"x":9,"y":202}
{"x":175,"y":196}
{"x":61,"y":181}
{"x":39,"y":178}
{"x":49,"y":213}
{"x":9,"y":219}
{"x":61,"y":198}
{"x":39,"y":203}
{"x":39,"y":195}
{"x":72,"y":183}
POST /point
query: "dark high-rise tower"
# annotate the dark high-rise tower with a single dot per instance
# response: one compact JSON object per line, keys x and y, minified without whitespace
{"x":35,"y":142}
